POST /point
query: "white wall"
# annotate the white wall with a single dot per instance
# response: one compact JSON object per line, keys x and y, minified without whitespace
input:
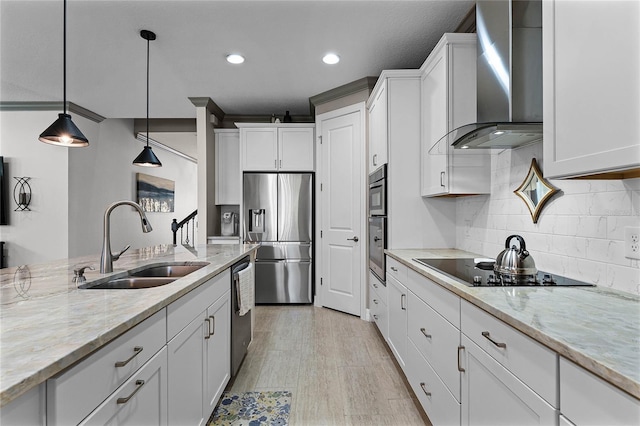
{"x":579,"y":234}
{"x":72,"y":188}
{"x":41,"y":233}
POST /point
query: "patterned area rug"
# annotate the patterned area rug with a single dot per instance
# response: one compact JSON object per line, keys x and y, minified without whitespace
{"x":252,"y":409}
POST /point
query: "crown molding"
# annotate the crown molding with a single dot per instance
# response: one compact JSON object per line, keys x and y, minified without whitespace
{"x":211,"y":106}
{"x":365,"y":83}
{"x":51,"y":106}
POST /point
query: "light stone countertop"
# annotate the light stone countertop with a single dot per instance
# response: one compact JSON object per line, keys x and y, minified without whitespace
{"x":47,"y":324}
{"x":595,"y":327}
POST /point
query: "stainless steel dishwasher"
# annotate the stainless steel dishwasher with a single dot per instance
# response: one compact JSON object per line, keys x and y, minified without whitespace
{"x":240,"y":325}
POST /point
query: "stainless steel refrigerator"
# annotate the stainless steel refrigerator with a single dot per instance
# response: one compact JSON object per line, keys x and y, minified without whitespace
{"x":278,"y":213}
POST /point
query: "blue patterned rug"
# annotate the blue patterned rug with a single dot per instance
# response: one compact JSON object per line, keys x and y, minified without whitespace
{"x":252,"y":409}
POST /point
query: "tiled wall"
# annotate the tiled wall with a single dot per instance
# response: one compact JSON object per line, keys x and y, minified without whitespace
{"x":579,"y":234}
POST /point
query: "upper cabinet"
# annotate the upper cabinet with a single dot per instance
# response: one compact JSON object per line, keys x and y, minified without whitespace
{"x":378,"y":127}
{"x":448,"y":97}
{"x":591,"y":69}
{"x":227,"y":166}
{"x":277,"y":147}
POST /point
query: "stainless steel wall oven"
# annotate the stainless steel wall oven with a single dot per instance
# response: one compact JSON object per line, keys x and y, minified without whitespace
{"x":378,"y":222}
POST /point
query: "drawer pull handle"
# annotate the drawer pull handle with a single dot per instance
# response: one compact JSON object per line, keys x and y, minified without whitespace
{"x":375,"y":301}
{"x":394,"y":269}
{"x":424,"y":389}
{"x":460,"y":349}
{"x":136,"y":351}
{"x":375,"y":285}
{"x":424,"y":331}
{"x":498,"y":344}
{"x":213,"y":325}
{"x":402,"y":299}
{"x":375,"y":317}
{"x":207,"y":332}
{"x":139,"y":385}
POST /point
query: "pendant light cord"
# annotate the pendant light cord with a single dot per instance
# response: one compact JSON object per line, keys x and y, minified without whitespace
{"x":64,"y":59}
{"x":148,"y":92}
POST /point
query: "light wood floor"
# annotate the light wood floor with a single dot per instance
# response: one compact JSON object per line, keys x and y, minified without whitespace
{"x":337,"y":367}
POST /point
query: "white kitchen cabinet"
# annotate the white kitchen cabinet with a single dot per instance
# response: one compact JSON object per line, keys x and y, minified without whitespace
{"x":587,"y":400}
{"x":198,"y":353}
{"x":491,"y":395}
{"x":187,"y":373}
{"x":397,"y":319}
{"x":378,"y":126}
{"x":277,"y":147}
{"x":448,"y":99}
{"x":77,"y":391}
{"x":591,"y":72}
{"x":378,"y":305}
{"x":218,"y":351}
{"x":141,"y":400}
{"x":227,"y":185}
{"x":441,"y":406}
{"x":28,"y":409}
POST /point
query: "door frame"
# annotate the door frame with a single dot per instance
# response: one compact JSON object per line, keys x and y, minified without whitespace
{"x":359,"y":107}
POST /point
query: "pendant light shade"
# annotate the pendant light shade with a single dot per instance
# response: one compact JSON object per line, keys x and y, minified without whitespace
{"x":63,"y":131}
{"x":147,"y":158}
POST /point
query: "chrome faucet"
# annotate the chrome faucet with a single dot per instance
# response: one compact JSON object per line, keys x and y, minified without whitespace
{"x":107,"y":258}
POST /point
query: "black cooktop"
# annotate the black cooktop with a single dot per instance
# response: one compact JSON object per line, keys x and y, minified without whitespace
{"x":483,"y":275}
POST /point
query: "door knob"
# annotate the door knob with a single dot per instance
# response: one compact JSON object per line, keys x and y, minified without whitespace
{"x":376,"y":238}
{"x":353,"y":239}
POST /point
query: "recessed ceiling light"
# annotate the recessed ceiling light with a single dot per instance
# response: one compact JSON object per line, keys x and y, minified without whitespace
{"x":235,"y":59}
{"x":331,"y":59}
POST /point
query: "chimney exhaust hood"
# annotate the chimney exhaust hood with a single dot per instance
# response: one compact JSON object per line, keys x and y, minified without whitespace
{"x":509,"y":77}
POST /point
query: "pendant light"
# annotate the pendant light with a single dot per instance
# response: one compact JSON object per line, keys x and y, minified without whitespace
{"x":147,"y":158}
{"x":63,"y":131}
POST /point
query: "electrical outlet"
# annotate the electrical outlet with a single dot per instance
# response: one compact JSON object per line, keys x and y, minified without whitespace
{"x":632,"y":242}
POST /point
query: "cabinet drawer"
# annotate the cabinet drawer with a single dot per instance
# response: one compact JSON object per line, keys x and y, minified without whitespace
{"x":527,"y":359}
{"x":182,"y":311}
{"x":396,"y":270}
{"x":588,"y":400}
{"x":437,"y":341}
{"x":379,"y":288}
{"x":147,"y":393}
{"x":378,"y":310}
{"x":440,"y":299}
{"x":441,"y":407}
{"x":75,"y":392}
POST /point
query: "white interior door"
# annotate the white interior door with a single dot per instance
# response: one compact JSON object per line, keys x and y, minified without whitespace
{"x":342,"y":211}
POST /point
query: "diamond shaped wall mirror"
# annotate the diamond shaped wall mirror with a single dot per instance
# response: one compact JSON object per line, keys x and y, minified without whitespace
{"x":535,"y":191}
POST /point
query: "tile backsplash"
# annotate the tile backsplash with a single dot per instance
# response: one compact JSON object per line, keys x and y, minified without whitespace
{"x":579,"y":234}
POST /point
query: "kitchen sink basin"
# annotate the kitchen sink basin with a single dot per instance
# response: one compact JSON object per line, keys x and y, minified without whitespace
{"x":131,"y":283}
{"x":150,"y":276}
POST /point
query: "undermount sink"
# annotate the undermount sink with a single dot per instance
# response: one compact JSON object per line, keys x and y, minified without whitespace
{"x":147,"y":277}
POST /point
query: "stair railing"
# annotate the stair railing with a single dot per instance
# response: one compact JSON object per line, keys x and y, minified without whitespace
{"x":187,"y":236}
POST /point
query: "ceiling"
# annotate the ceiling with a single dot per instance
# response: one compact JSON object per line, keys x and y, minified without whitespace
{"x":283,"y":42}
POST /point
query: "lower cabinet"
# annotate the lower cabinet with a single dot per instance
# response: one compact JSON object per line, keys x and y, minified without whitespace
{"x":141,"y":400}
{"x":378,"y":305}
{"x":217,"y":351}
{"x":491,"y":395}
{"x":397,"y":319}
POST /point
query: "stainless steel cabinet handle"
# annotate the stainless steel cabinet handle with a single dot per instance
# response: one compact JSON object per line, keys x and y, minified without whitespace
{"x":424,"y":389}
{"x":424,"y":331}
{"x":213,"y":325}
{"x":280,"y":163}
{"x":375,"y":317}
{"x":375,"y":301}
{"x":394,"y":269}
{"x":139,"y":385}
{"x":136,"y":351}
{"x":375,"y":285}
{"x":356,"y":239}
{"x":275,"y":163}
{"x":442,"y":179}
{"x":403,"y":297}
{"x":375,"y":159}
{"x":460,"y":349}
{"x":208,"y":331}
{"x":498,"y":344}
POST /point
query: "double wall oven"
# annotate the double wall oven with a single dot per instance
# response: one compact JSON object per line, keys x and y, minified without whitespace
{"x":378,"y":221}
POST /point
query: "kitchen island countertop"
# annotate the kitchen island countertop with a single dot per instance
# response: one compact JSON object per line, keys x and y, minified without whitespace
{"x":47,"y":324}
{"x":596,"y":327}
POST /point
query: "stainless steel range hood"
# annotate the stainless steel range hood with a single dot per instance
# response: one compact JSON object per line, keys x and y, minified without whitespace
{"x":509,"y":76}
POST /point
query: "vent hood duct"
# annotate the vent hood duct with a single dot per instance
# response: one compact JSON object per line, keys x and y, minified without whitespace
{"x":509,"y":76}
